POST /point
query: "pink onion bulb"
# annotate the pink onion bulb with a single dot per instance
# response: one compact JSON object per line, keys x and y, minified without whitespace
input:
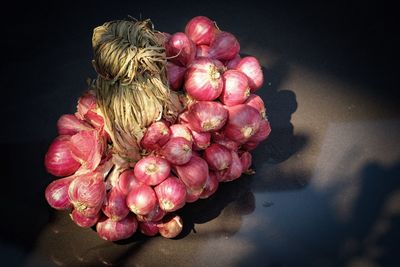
{"x":171,"y":226}
{"x":249,"y":146}
{"x":141,"y":200}
{"x":233,"y":172}
{"x":84,"y":221}
{"x":180,"y":130}
{"x":225,"y":46}
{"x":221,"y":139}
{"x":69,"y":124}
{"x":171,"y":194}
{"x":127,"y":181}
{"x":262,"y":133}
{"x":236,"y":89}
{"x":152,"y":170}
{"x":180,"y":49}
{"x":201,"y":30}
{"x":256,"y":102}
{"x":155,"y":215}
{"x":178,"y":150}
{"x":218,"y":157}
{"x":203,"y":80}
{"x":211,"y":186}
{"x":252,"y":68}
{"x":175,"y":75}
{"x":113,"y":231}
{"x":58,"y":159}
{"x":202,"y":51}
{"x":156,"y":135}
{"x":57,"y":193}
{"x":246,"y":160}
{"x":232,"y":64}
{"x":115,"y":206}
{"x":200,"y":140}
{"x":194,"y":173}
{"x":207,"y":116}
{"x":148,"y":228}
{"x":193,"y":195}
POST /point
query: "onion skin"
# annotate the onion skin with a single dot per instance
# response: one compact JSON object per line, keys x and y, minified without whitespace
{"x":157,"y":135}
{"x":200,"y":140}
{"x":59,"y":160}
{"x":246,"y":160}
{"x":69,"y":124}
{"x":113,"y":231}
{"x":236,"y":88}
{"x":219,"y":138}
{"x":203,"y":81}
{"x":202,"y":51}
{"x":85,"y":103}
{"x":82,"y":221}
{"x":148,"y":228}
{"x":244,"y":122}
{"x":175,"y":75}
{"x":152,"y":170}
{"x":201,"y":30}
{"x":233,"y":172}
{"x":262,"y":133}
{"x":115,"y":206}
{"x":218,"y":157}
{"x":193,"y":195}
{"x":141,"y":200}
{"x":155,"y":215}
{"x":180,"y":49}
{"x":171,"y":194}
{"x":207,"y":116}
{"x":178,"y":151}
{"x":252,"y":68}
{"x":249,"y":146}
{"x":225,"y":46}
{"x":87,"y":193}
{"x":171,"y":226}
{"x":232,"y":64}
{"x":211,"y":186}
{"x":256,"y":102}
{"x":56,"y":193}
{"x":180,"y":130}
{"x":127,"y":181}
{"x":194,"y":173}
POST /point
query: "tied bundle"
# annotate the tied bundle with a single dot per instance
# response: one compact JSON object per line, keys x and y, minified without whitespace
{"x":131,"y":88}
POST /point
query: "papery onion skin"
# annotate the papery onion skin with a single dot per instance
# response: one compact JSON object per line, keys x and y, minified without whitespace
{"x":180,"y":130}
{"x":58,"y":159}
{"x":207,"y":116}
{"x":152,"y":170}
{"x":236,"y":88}
{"x":83,"y":221}
{"x":194,"y":173}
{"x":201,"y":30}
{"x":177,"y":151}
{"x":155,"y":215}
{"x":87,"y":193}
{"x":202,"y":51}
{"x":175,"y":75}
{"x":171,"y":226}
{"x":86,"y":103}
{"x":252,"y":68}
{"x":246,"y":160}
{"x":127,"y":181}
{"x":69,"y":124}
{"x":221,"y":139}
{"x":56,"y":193}
{"x":225,"y":46}
{"x":256,"y":102}
{"x":114,"y":206}
{"x":171,"y":194}
{"x":180,"y":49}
{"x":218,"y":157}
{"x":156,"y":135}
{"x":193,"y":195}
{"x":113,"y":231}
{"x":232,"y":64}
{"x":203,"y":81}
{"x":233,"y":172}
{"x":149,"y":228}
{"x":262,"y":133}
{"x":141,"y":200}
{"x":243,"y":123}
{"x":87,"y":147}
{"x":211,"y":186}
{"x":200,"y":140}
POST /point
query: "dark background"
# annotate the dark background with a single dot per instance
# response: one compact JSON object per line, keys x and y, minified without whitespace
{"x":46,"y":58}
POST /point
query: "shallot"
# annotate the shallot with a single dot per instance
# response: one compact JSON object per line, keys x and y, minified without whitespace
{"x":171,"y":194}
{"x":252,"y":68}
{"x":117,"y":230}
{"x":152,"y":170}
{"x":201,"y":30}
{"x":141,"y":199}
{"x":171,"y":226}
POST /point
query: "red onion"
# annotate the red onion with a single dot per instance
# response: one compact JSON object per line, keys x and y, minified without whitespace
{"x":152,"y":170}
{"x":221,"y":139}
{"x":84,"y":221}
{"x":69,"y":124}
{"x":194,"y":173}
{"x":87,"y":193}
{"x":180,"y":130}
{"x":233,"y":172}
{"x":200,"y":140}
{"x":236,"y":89}
{"x":59,"y":160}
{"x":232,"y":64}
{"x":220,"y":66}
{"x":157,"y":135}
{"x":202,"y":51}
{"x":225,"y":46}
{"x":244,"y":122}
{"x":94,"y":119}
{"x":155,"y":215}
{"x":141,"y":199}
{"x":171,"y":194}
{"x":256,"y":102}
{"x":218,"y":157}
{"x":211,"y":186}
{"x":252,"y":68}
{"x":201,"y":30}
{"x":245,"y":159}
{"x":113,"y":231}
{"x":203,"y":81}
{"x":115,"y":206}
{"x":207,"y":116}
{"x":127,"y":181}
{"x":193,"y":195}
{"x":57,"y":193}
{"x":171,"y":226}
{"x":85,"y":103}
{"x":262,"y":133}
{"x":148,"y":228}
{"x":87,"y":147}
{"x":178,"y":150}
{"x":249,"y":146}
{"x":175,"y":75}
{"x":180,"y":49}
